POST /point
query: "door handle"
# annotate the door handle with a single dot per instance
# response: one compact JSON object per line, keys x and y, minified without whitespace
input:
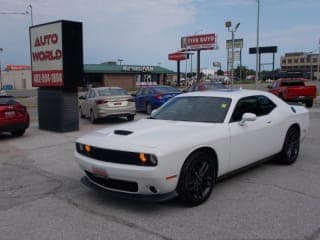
{"x":269,"y":122}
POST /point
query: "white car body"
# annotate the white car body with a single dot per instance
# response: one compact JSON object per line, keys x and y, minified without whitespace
{"x":235,"y":145}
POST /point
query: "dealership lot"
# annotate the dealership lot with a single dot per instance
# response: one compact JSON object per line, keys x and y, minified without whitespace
{"x":41,"y":196}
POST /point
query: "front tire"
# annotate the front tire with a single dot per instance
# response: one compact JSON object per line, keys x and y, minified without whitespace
{"x":291,"y":147}
{"x":197,"y":179}
{"x":81,"y":113}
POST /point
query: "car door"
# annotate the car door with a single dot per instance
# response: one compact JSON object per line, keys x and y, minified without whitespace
{"x":255,"y":140}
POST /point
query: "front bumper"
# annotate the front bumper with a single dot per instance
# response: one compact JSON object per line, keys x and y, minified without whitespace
{"x":154,"y":198}
{"x":129,"y":179}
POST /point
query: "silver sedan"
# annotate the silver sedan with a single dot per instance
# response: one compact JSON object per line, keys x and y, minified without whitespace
{"x":107,"y":102}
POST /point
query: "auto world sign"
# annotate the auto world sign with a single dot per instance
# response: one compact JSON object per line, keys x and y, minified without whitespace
{"x":46,"y":55}
{"x":199,"y":42}
{"x":56,"y":54}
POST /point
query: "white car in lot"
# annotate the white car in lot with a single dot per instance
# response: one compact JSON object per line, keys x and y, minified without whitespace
{"x":102,"y":102}
{"x":190,"y":142}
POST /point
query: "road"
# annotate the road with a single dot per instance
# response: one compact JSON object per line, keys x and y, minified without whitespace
{"x":41,"y":197}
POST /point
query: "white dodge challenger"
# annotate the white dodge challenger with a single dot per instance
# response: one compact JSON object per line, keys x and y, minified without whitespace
{"x":190,"y":142}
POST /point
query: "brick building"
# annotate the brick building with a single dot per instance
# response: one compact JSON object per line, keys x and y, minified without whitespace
{"x":306,"y":63}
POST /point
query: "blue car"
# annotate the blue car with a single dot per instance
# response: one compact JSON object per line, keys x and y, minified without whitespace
{"x":152,"y":97}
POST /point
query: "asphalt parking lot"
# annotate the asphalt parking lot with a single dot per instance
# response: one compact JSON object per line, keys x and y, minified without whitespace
{"x":41,"y":196}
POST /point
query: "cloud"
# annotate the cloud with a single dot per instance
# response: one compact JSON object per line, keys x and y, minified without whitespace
{"x":133,"y":30}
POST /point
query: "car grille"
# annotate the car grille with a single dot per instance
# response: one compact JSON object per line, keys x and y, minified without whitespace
{"x":114,"y":183}
{"x":115,"y":156}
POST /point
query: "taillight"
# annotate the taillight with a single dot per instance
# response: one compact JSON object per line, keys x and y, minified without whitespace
{"x":158,"y":97}
{"x":101,"y":101}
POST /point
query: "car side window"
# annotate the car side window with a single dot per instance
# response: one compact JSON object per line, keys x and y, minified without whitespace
{"x":265,"y":105}
{"x":245,"y":105}
{"x":259,"y":105}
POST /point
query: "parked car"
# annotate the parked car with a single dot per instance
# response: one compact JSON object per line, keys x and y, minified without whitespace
{"x":294,"y":90}
{"x":14,"y":117}
{"x":203,"y":86}
{"x":190,"y":142}
{"x":149,"y":98}
{"x":104,"y":102}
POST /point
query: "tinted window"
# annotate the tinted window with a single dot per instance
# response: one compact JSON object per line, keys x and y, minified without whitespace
{"x":194,"y":109}
{"x":259,"y":105}
{"x":7,"y":101}
{"x":111,"y":92}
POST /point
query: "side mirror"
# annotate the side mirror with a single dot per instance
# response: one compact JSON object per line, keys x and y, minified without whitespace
{"x":247,"y":117}
{"x":269,"y":86}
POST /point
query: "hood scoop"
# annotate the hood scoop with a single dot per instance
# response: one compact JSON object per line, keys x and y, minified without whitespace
{"x":122,"y":132}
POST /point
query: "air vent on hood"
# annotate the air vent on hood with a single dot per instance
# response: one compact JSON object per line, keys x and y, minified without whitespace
{"x":122,"y":132}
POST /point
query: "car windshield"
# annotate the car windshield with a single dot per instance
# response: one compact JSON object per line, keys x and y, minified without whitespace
{"x":194,"y":109}
{"x":165,"y":89}
{"x":112,"y":92}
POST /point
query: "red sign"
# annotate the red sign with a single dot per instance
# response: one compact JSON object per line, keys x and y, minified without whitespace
{"x":17,"y":67}
{"x":199,"y":42}
{"x":51,"y":78}
{"x":177,"y":56}
{"x":47,"y":55}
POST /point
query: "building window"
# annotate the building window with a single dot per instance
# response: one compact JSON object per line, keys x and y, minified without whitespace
{"x":296,"y":60}
{"x":301,"y":60}
{"x":289,"y":60}
{"x":284,"y":61}
{"x":314,"y":60}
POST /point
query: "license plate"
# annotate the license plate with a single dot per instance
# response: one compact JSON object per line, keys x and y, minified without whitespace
{"x":117,"y":103}
{"x":10,"y":114}
{"x":98,"y":172}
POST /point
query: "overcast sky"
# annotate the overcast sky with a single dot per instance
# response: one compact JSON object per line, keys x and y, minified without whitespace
{"x":143,"y":32}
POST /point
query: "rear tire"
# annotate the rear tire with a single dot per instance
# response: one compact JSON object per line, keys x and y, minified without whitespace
{"x":291,"y":146}
{"x":130,"y":118}
{"x":309,"y":103}
{"x":18,"y":133}
{"x":197,"y":179}
{"x":149,"y":109}
{"x":92,"y":117}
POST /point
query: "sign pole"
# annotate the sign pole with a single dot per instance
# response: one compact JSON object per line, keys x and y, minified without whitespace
{"x":178,"y":73}
{"x":198,"y":65}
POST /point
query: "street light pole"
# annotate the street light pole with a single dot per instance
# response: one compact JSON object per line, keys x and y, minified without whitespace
{"x":257,"y":50}
{"x":228,"y":25}
{"x":26,"y":12}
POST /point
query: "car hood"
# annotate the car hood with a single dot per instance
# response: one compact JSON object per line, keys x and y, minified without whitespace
{"x":149,"y":133}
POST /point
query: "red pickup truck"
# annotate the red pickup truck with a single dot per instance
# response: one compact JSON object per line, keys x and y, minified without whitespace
{"x":294,"y":90}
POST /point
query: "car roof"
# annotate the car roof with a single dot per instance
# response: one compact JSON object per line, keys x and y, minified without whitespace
{"x":227,"y":93}
{"x":101,"y":88}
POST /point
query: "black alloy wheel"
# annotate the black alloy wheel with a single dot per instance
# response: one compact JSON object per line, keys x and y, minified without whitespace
{"x":197,"y":179}
{"x":130,"y":118}
{"x":291,"y":146}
